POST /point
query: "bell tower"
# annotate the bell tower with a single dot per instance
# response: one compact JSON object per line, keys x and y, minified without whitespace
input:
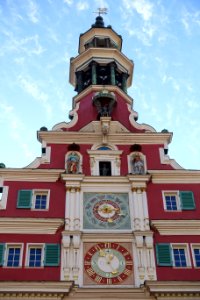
{"x":101,"y":67}
{"x":107,"y":239}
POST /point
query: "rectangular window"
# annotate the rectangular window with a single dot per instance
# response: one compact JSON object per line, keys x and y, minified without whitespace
{"x":171,"y":201}
{"x":178,"y":200}
{"x":33,"y":199}
{"x":1,"y":193}
{"x":42,"y":255}
{"x":105,"y":168}
{"x":35,"y":256}
{"x":196,"y":255}
{"x":3,"y":197}
{"x":40,"y":200}
{"x":176,"y":255}
{"x":13,"y":256}
{"x":179,"y":257}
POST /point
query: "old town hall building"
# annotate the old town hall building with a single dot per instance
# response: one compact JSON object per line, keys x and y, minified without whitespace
{"x":104,"y":213}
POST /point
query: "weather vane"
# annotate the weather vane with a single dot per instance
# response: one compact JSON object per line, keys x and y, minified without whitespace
{"x":101,"y":11}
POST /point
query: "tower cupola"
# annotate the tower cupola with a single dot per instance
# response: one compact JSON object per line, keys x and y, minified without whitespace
{"x":100,"y":61}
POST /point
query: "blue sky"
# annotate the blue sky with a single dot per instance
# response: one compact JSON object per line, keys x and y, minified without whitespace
{"x":38,"y":37}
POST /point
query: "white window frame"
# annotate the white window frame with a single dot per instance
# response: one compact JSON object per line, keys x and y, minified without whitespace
{"x":178,"y":203}
{"x":4,"y":197}
{"x":33,"y":200}
{"x":187,"y":254}
{"x":194,"y":246}
{"x":34,"y":245}
{"x":112,"y":156}
{"x":13,"y":245}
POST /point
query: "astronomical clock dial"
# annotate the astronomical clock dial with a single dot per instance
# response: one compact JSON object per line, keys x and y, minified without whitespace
{"x":108,"y":264}
{"x":106,"y":211}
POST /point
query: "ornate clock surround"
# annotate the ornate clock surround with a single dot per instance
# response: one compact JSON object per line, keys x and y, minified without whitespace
{"x":106,"y":211}
{"x":108,"y":263}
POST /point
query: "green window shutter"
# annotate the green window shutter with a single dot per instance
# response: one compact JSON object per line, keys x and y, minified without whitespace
{"x":24,"y":199}
{"x":163,"y":255}
{"x":2,"y":248}
{"x":187,"y":200}
{"x":52,"y":255}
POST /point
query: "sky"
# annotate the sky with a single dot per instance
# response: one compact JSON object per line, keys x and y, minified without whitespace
{"x":38,"y":38}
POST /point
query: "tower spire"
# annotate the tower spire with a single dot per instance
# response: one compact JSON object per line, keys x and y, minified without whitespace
{"x":99,"y":19}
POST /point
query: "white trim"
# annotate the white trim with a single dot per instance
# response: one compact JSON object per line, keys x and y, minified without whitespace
{"x":30,"y":225}
{"x":178,"y":203}
{"x":112,"y":156}
{"x":194,"y":246}
{"x":166,"y":160}
{"x":34,"y":245}
{"x":13,"y":245}
{"x":176,"y":227}
{"x":60,"y":126}
{"x":44,"y":159}
{"x":3,"y":200}
{"x":40,"y":192}
{"x":187,"y":254}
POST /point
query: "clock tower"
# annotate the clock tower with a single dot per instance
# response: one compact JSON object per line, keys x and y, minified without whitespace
{"x":104,"y":213}
{"x":107,"y":239}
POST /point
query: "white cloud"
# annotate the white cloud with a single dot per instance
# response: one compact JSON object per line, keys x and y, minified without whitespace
{"x":33,"y":89}
{"x":33,"y":12}
{"x":190,"y":19}
{"x":82,"y":5}
{"x":143,"y":7}
{"x":29,"y":45}
{"x":69,"y":2}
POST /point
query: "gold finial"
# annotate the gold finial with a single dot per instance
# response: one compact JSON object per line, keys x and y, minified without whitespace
{"x":101,"y":11}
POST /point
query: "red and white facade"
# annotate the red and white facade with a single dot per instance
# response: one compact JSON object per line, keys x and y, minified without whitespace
{"x":104,"y":213}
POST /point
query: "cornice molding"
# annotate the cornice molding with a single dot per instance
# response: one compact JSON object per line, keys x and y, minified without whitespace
{"x":35,"y":289}
{"x":175,"y":176}
{"x":98,"y":88}
{"x":121,"y":138}
{"x":111,"y":237}
{"x":173,"y":289}
{"x":30,"y":225}
{"x":93,"y":32}
{"x":42,"y":175}
{"x":176,"y":227}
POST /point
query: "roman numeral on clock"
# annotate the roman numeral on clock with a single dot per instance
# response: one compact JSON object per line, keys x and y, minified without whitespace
{"x":90,"y":271}
{"x":127,"y":272}
{"x":98,"y":278}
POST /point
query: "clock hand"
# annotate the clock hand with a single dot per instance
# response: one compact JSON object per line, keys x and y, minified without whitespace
{"x":109,"y":258}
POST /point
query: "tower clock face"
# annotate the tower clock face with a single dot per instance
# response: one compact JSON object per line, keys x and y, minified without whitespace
{"x":108,"y":263}
{"x":106,"y":211}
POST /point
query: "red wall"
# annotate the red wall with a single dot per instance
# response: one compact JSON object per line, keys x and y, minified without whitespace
{"x":56,"y":202}
{"x":156,"y":207}
{"x":172,"y":273}
{"x":87,"y":113}
{"x":26,"y":273}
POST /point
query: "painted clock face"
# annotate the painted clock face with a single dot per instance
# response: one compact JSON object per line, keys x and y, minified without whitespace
{"x":108,"y":263}
{"x":106,"y":211}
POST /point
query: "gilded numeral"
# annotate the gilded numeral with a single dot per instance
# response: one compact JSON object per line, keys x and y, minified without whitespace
{"x":98,"y":278}
{"x":125,"y":253}
{"x":109,"y":281}
{"x":129,"y":263}
{"x":90,"y":271}
{"x":119,"y":279}
{"x":107,"y":245}
{"x":127,"y":272}
{"x":87,"y":263}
